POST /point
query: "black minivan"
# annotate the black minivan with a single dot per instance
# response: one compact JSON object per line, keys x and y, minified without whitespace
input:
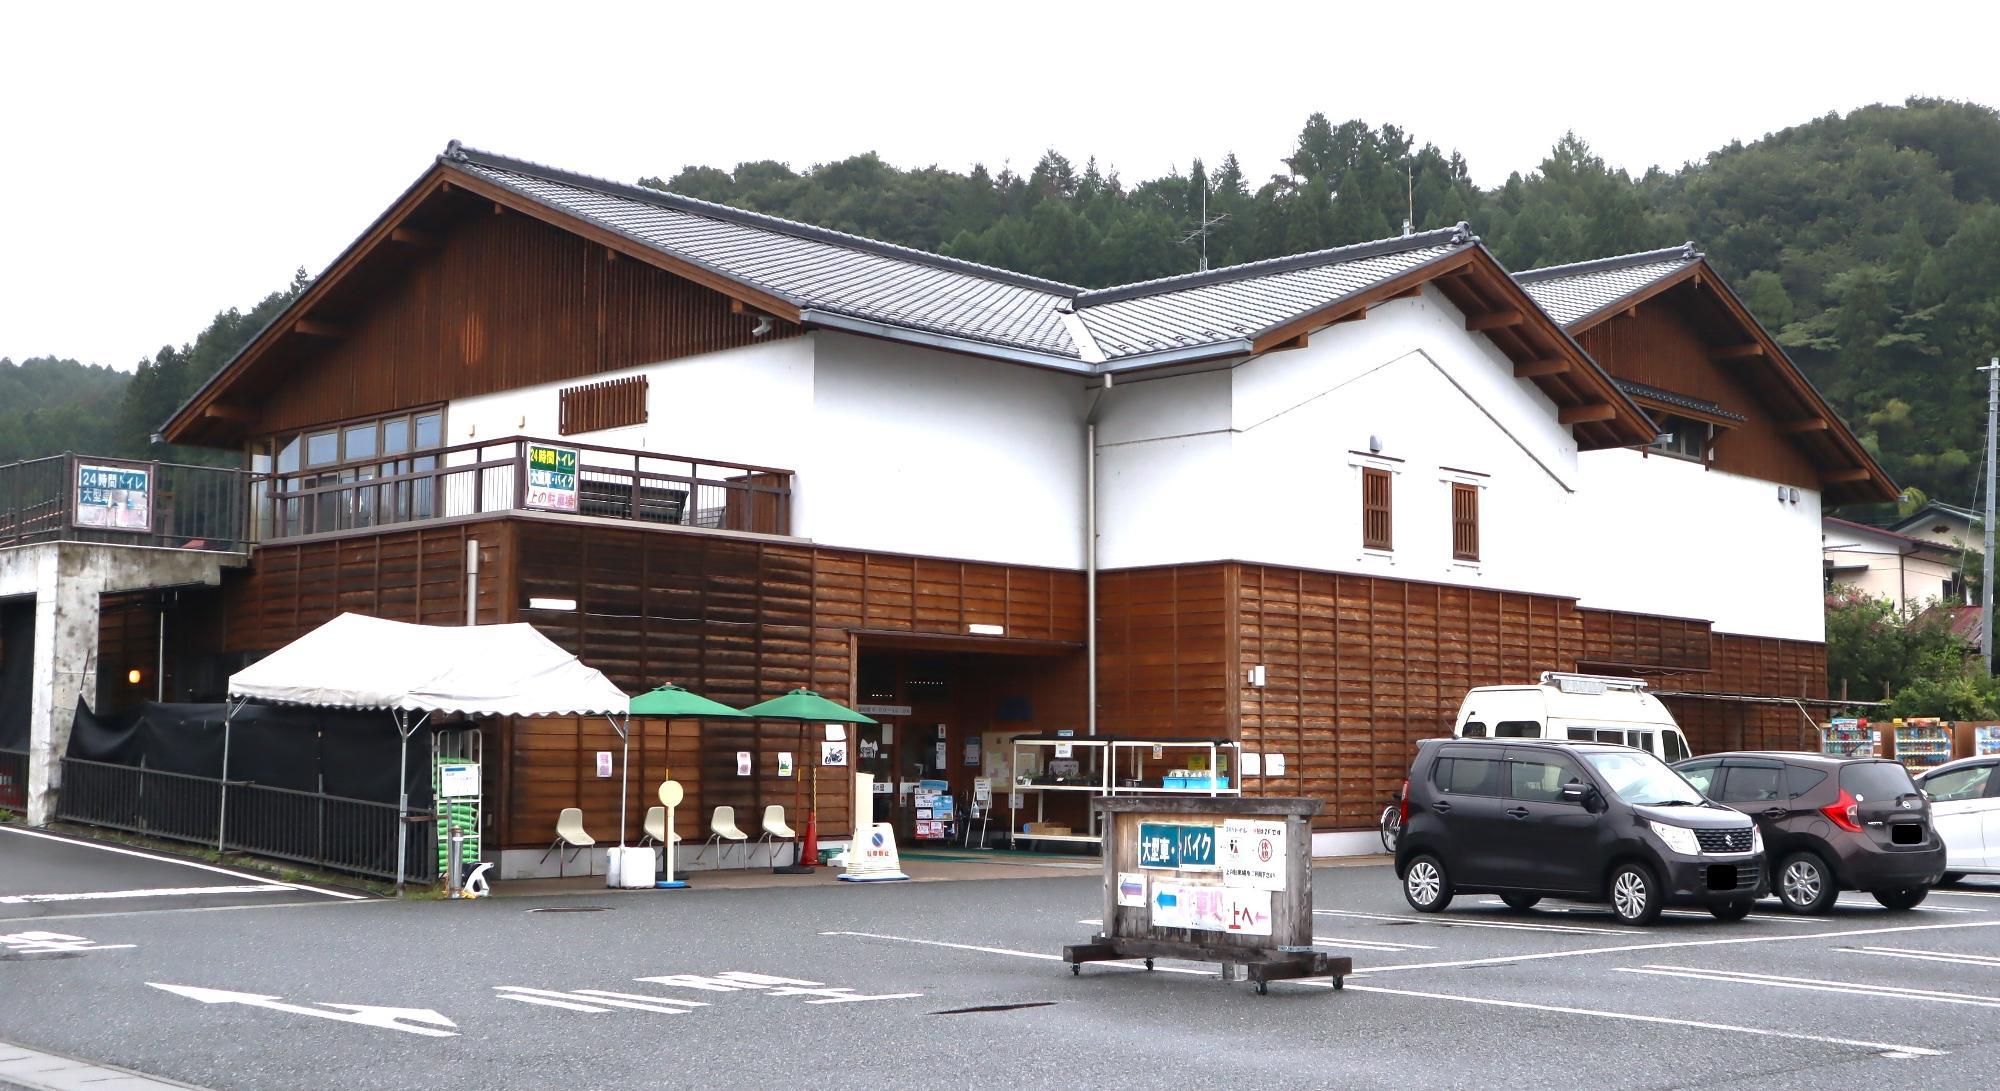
{"x":1586,"y":821}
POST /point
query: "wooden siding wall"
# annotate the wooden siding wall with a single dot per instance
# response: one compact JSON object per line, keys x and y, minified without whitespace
{"x":504,"y":301}
{"x":1358,"y":668}
{"x":1754,"y":665}
{"x":1164,"y":660}
{"x":128,"y":636}
{"x":741,"y":621}
{"x":413,"y":575}
{"x":1658,"y":347}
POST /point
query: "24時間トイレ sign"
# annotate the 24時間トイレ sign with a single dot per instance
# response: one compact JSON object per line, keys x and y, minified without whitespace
{"x":552,"y":478}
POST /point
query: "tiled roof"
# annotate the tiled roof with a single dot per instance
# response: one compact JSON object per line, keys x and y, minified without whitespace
{"x":1685,"y":401}
{"x":1572,"y":292}
{"x":833,"y":273}
{"x":1244,"y":300}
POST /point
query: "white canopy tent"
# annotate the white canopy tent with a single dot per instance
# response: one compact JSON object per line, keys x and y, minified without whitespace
{"x":361,"y":662}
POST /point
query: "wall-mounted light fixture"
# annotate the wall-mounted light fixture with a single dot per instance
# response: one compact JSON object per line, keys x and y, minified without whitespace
{"x":986,"y":630}
{"x":1257,"y":676}
{"x":132,"y":676}
{"x":1374,"y":445}
{"x":552,"y":604}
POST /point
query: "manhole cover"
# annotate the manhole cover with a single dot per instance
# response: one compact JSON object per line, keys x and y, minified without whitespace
{"x":573,"y":909}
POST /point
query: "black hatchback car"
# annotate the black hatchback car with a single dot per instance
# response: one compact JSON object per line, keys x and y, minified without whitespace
{"x":1586,"y":821}
{"x":1830,"y":824}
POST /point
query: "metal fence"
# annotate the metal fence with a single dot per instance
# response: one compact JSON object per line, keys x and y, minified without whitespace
{"x":13,"y":780}
{"x":333,"y":832}
{"x":80,"y":498}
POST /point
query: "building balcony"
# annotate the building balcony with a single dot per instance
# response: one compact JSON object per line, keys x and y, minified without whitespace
{"x":110,"y":501}
{"x":522,"y":474}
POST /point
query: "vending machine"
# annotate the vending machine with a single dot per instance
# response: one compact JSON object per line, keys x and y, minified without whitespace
{"x":1922,"y":742}
{"x":1986,"y":740}
{"x":1848,"y":738}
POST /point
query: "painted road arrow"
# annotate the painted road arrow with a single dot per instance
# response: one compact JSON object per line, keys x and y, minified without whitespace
{"x":368,"y":1015}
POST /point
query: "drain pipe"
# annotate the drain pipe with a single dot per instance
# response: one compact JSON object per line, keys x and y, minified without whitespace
{"x":1090,"y":556}
{"x":472,"y":581}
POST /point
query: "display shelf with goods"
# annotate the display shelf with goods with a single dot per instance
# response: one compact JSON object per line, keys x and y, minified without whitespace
{"x":1986,"y":739}
{"x":1064,"y":767}
{"x":1922,"y":743}
{"x":1849,"y":738}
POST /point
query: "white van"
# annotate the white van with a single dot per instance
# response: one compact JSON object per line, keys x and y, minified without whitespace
{"x":1574,"y":708}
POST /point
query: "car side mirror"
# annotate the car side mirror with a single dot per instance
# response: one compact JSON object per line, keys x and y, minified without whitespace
{"x":1575,"y":791}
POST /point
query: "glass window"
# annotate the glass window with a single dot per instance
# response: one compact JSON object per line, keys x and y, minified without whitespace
{"x":1959,"y":784}
{"x":430,"y":429}
{"x":1676,"y":747}
{"x":360,"y":442}
{"x":1474,"y":730}
{"x":1752,"y":783}
{"x":1876,"y":780}
{"x":1800,"y":780}
{"x":1641,"y":739}
{"x":322,"y":448}
{"x":1702,"y":776}
{"x":288,"y":456}
{"x":1517,"y":729}
{"x":1638,"y":777}
{"x":396,"y":436}
{"x":1468,"y":776}
{"x":1682,"y":437}
{"x":1538,"y":781}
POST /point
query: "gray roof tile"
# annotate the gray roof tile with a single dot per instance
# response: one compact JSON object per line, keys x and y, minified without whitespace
{"x":1572,"y":292}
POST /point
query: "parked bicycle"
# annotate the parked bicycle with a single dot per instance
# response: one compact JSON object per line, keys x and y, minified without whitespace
{"x":1391,"y":823}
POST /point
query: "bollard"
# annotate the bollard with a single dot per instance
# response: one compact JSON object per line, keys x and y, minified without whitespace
{"x":454,"y":861}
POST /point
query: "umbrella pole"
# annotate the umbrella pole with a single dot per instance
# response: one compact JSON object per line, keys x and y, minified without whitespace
{"x":222,"y":805}
{"x":624,"y":774}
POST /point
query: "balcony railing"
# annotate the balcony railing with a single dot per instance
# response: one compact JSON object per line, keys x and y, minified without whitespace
{"x":524,"y":473}
{"x":78,"y":498}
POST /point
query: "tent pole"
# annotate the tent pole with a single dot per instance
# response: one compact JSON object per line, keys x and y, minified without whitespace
{"x":624,"y":735}
{"x":222,"y":805}
{"x":403,"y":799}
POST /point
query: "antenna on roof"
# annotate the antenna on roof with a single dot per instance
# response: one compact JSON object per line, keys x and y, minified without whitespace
{"x":1205,"y":225}
{"x":1410,"y":196}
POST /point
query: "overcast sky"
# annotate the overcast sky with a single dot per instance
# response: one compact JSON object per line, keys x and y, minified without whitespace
{"x":161,"y":162}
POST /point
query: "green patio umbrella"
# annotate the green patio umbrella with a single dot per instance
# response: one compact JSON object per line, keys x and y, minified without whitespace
{"x":671,"y":701}
{"x":676,"y":703}
{"x":805,"y":706}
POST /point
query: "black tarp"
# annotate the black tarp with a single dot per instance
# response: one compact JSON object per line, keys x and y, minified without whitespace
{"x":17,"y":672}
{"x":339,"y":752}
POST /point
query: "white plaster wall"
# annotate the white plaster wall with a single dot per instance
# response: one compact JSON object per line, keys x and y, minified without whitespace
{"x":1669,"y":536}
{"x":911,"y":450}
{"x":1891,"y":573}
{"x":1257,"y":463}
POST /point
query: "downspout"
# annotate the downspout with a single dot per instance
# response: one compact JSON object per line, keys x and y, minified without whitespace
{"x":472,"y":581}
{"x":1090,"y":556}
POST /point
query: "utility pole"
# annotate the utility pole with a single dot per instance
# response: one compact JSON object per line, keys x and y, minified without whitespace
{"x":1992,"y":370}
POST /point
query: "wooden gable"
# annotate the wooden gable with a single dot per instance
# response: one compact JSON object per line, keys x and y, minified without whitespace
{"x":453,"y":294}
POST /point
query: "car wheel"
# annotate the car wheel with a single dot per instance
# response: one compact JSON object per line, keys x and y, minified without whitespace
{"x":1521,"y":902}
{"x":1732,"y":911}
{"x":1952,"y":878}
{"x":1635,"y":894}
{"x":1906,"y":898}
{"x":1805,"y":884}
{"x":1426,"y":885}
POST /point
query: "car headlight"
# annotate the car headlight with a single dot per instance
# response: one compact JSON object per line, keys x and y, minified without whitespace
{"x":1678,"y":838}
{"x":1756,"y":839}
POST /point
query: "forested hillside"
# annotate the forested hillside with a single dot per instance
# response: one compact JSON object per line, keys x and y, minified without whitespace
{"x":1869,"y":244}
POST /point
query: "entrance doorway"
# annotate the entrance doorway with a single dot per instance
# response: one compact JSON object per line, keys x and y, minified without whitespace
{"x":943,"y":718}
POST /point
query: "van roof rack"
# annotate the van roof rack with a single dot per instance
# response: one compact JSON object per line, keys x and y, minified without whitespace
{"x":1590,"y":683}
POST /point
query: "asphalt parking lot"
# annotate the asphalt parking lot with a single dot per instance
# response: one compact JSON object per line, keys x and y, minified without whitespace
{"x":896,"y":984}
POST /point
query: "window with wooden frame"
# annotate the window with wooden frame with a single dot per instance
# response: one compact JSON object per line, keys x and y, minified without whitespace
{"x":1376,"y":515}
{"x":1464,"y":522}
{"x":593,"y":407}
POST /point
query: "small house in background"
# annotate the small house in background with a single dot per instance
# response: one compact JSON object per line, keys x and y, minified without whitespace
{"x":1946,"y":524}
{"x":1911,"y":571}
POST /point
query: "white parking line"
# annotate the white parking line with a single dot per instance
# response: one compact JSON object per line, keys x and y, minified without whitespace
{"x":1369,"y":944}
{"x":1600,"y":911}
{"x":1775,"y":981}
{"x":1462,"y":922}
{"x":1884,"y":1048}
{"x":157,"y":892}
{"x":1968,"y":893}
{"x":1887,"y":1049}
{"x":177,"y":860}
{"x":1926,"y":956}
{"x":1499,"y":960}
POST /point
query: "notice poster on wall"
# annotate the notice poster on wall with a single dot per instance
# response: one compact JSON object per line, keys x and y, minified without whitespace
{"x":784,"y":763}
{"x":1246,"y":912}
{"x":114,"y":497}
{"x":551,"y":478}
{"x":743,"y":763}
{"x":833,"y":753}
{"x":1131,"y":889}
{"x":1252,"y":853}
{"x":604,"y":763}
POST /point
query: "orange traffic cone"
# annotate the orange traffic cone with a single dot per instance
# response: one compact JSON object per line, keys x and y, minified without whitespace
{"x":809,"y":848}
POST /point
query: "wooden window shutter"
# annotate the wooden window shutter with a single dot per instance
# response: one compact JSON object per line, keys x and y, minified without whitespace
{"x":1376,"y":515}
{"x":614,"y":403}
{"x":1464,"y":522}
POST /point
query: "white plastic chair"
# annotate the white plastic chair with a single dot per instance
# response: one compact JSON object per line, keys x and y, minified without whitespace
{"x":656,"y":827}
{"x":775,"y":830}
{"x":570,"y":834}
{"x":722,"y":832}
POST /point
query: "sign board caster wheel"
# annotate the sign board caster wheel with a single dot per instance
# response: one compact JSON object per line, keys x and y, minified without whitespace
{"x":1339,"y":983}
{"x":1263,"y":988}
{"x":1149,"y":964}
{"x":1075,"y":969}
